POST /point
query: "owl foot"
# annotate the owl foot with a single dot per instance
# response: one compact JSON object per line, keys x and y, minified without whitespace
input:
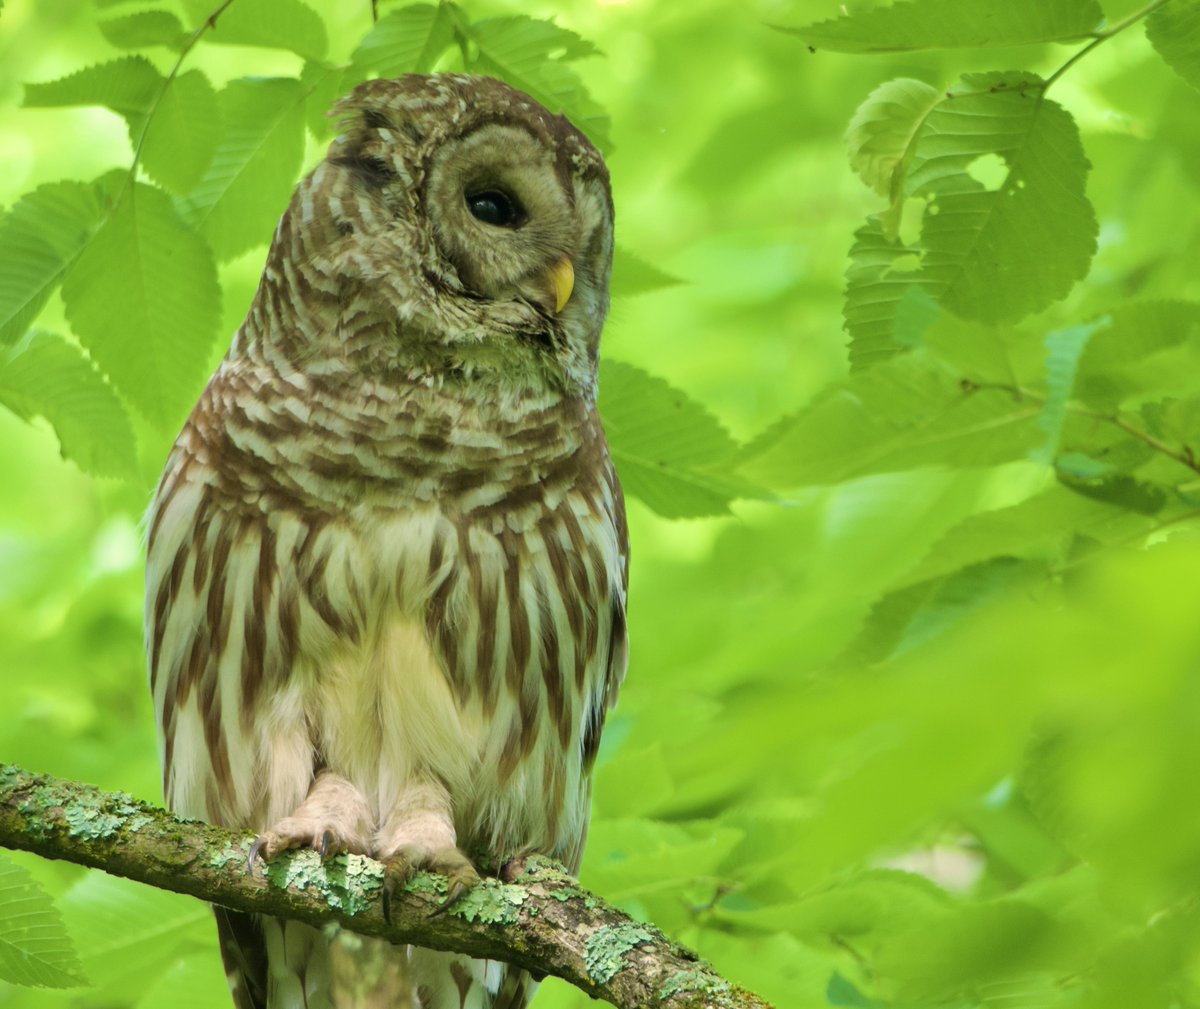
{"x":408,"y":859}
{"x":333,"y":818}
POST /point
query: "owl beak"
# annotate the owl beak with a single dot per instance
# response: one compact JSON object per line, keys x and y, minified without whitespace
{"x":560,"y":278}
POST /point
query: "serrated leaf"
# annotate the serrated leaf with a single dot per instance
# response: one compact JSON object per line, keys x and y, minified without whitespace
{"x":323,"y":85}
{"x":45,"y":376}
{"x":670,"y":452}
{"x":879,"y":277}
{"x":134,"y":933}
{"x":40,"y":238}
{"x":144,"y":28}
{"x":271,"y":24}
{"x":238,"y":202}
{"x":127,"y":85}
{"x":883,"y":128}
{"x":1041,"y":527}
{"x":182,"y":134}
{"x":976,"y":240}
{"x":633,"y":275}
{"x":35,"y":949}
{"x":531,"y":55}
{"x":406,"y":41}
{"x":1137,"y":353}
{"x":952,"y":24}
{"x":1064,"y":348}
{"x":1174,"y":30}
{"x":910,"y":411}
{"x":143,"y":299}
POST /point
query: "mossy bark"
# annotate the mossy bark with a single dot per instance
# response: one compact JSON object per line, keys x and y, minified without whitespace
{"x":542,"y":921}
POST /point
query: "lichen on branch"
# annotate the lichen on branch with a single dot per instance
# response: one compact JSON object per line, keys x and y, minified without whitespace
{"x":542,"y":921}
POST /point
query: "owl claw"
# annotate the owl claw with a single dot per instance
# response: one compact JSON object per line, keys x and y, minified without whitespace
{"x":255,"y":850}
{"x":326,"y":841}
{"x":400,"y":866}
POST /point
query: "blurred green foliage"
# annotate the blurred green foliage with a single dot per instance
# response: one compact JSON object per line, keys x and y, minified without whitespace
{"x":920,"y":725}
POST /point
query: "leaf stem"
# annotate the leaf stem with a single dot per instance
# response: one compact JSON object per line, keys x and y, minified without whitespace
{"x":188,"y":46}
{"x":1185,"y":457}
{"x":1103,"y":36}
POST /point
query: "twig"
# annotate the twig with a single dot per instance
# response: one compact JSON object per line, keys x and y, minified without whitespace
{"x":543,"y":921}
{"x":1101,"y":37}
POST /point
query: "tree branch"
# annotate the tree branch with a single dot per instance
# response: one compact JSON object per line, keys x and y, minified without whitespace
{"x":544,"y":921}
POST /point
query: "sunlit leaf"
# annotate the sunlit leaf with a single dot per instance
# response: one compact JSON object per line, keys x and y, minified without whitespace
{"x":273,"y":24}
{"x":882,"y":130}
{"x":127,"y":85}
{"x":134,"y":933}
{"x":144,"y":300}
{"x":144,"y":28}
{"x":670,"y":452}
{"x":45,"y":376}
{"x":910,"y":411}
{"x":1174,"y":30}
{"x":976,"y":240}
{"x":40,"y":238}
{"x":952,"y":24}
{"x":182,"y":135}
{"x":238,"y":202}
{"x":881,"y":275}
{"x":35,"y":949}
{"x":409,"y":40}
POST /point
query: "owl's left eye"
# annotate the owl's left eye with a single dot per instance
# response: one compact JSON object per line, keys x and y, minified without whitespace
{"x":495,"y":207}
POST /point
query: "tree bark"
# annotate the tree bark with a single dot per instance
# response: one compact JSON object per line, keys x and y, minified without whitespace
{"x":542,"y":921}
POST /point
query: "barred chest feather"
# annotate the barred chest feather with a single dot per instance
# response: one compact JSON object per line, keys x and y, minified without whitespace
{"x":392,"y":582}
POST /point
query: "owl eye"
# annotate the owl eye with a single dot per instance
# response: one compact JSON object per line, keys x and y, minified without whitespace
{"x":494,"y":207}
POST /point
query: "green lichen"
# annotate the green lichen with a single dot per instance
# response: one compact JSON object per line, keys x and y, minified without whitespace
{"x":491,"y":901}
{"x":230,"y":853}
{"x":349,"y":883}
{"x":426,"y":882}
{"x":699,"y":980}
{"x":100,"y":817}
{"x":606,"y":949}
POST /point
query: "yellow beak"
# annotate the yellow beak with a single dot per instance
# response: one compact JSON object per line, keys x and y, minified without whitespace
{"x":561,"y":279}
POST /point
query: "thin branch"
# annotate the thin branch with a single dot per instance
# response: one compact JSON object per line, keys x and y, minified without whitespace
{"x":1184,"y":457}
{"x":1102,"y":37}
{"x":543,"y":921}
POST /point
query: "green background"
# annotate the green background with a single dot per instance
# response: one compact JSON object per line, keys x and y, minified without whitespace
{"x":918,"y":724}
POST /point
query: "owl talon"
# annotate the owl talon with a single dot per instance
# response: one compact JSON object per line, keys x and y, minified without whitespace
{"x":326,"y":841}
{"x":255,"y":850}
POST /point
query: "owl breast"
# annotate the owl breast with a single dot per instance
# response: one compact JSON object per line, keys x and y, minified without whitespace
{"x":430,"y":591}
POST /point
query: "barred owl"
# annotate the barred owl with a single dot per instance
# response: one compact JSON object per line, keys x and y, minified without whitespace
{"x":387,"y":557}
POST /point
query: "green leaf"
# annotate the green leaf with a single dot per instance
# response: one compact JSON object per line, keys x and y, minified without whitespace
{"x":40,"y":238}
{"x":1146,"y":348}
{"x":532,"y":56}
{"x":238,"y":202}
{"x":144,"y":300}
{"x":670,"y":452}
{"x":145,"y":28}
{"x":134,"y":933}
{"x":633,"y":275}
{"x":1064,"y":348}
{"x":183,"y":132}
{"x":323,"y":86}
{"x":882,"y":130}
{"x":976,"y":240}
{"x":272,"y":24}
{"x":127,"y":85}
{"x":46,"y":376}
{"x":910,"y":411}
{"x":878,"y":280}
{"x":406,"y":41}
{"x":35,"y":949}
{"x":953,"y":24}
{"x":1174,"y":30}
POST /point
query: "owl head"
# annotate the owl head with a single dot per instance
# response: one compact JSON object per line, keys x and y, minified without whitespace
{"x":455,"y":229}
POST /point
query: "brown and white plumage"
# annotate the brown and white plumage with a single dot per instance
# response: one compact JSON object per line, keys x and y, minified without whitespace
{"x":387,"y":558}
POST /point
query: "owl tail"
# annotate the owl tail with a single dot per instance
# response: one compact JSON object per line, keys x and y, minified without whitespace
{"x":274,"y":964}
{"x":452,"y":981}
